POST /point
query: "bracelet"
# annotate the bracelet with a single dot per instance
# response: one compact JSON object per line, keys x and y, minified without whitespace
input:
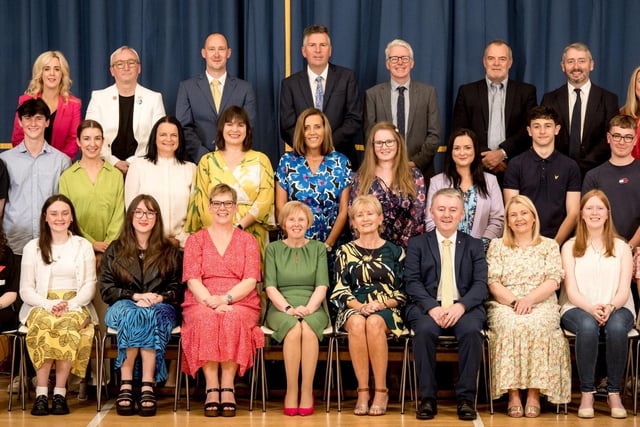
{"x":286,"y":308}
{"x":613,"y":307}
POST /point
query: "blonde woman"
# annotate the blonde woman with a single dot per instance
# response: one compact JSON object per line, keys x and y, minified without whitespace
{"x":632,"y":106}
{"x":51,"y":81}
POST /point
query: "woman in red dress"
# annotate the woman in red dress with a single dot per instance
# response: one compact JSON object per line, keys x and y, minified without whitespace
{"x":221,"y":308}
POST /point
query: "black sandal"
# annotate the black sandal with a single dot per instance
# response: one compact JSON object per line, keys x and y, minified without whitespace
{"x":126,"y":395}
{"x":212,"y":409}
{"x":227,"y":409}
{"x":147,"y":396}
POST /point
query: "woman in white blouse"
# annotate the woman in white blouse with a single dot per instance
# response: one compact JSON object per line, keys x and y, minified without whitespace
{"x":165,"y":174}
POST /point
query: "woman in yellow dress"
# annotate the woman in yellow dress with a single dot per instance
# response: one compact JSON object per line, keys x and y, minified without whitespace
{"x":247,"y":171}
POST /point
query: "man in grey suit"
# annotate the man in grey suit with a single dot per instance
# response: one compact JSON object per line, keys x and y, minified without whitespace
{"x":419,"y":123}
{"x":197,"y":107}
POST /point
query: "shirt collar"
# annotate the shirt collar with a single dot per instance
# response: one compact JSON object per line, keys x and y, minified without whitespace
{"x":323,"y":74}
{"x":452,"y":238}
{"x":489,"y":82}
{"x":221,"y":79}
{"x":584,"y":90}
{"x":395,"y":85}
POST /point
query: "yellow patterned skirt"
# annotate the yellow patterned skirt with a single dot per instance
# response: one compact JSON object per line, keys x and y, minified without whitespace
{"x":68,"y":337}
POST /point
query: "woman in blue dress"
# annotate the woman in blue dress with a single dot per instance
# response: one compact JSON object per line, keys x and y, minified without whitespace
{"x":141,"y":282}
{"x":316,"y":175}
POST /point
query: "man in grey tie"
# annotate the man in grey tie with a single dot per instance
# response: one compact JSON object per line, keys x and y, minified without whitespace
{"x":411,"y":105}
{"x":496,"y":108}
{"x":328,"y":87}
{"x":582,"y":129}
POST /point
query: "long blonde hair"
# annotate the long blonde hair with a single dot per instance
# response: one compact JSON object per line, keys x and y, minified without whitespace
{"x":582,"y":234}
{"x":36,"y":84}
{"x":508,"y":237}
{"x":403,"y":181}
{"x":632,"y":107}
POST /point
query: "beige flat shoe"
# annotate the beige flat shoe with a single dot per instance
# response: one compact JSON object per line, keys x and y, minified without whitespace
{"x":586,"y":406}
{"x":618,"y":412}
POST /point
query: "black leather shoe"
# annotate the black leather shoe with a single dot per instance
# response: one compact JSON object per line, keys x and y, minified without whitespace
{"x":427,"y":409}
{"x":41,"y":406}
{"x":466,"y":411}
{"x":59,"y":405}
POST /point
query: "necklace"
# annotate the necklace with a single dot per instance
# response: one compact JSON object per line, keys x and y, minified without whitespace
{"x":368,"y":256}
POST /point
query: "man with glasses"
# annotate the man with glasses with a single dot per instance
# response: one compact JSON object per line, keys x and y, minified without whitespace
{"x":410,"y":105}
{"x":584,"y":110}
{"x":34,"y":169}
{"x":619,"y":178}
{"x":325,"y":86}
{"x":496,"y":109}
{"x":126,"y":110}
{"x":549,"y":178}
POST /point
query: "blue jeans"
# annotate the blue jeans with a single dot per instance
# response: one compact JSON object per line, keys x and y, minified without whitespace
{"x":587,"y":333}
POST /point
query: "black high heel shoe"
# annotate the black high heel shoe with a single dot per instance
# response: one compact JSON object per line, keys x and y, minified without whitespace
{"x":147,"y":396}
{"x":227,"y":409}
{"x":212,"y":409}
{"x":126,"y":395}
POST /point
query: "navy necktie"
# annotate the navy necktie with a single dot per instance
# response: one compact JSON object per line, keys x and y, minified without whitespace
{"x":574,"y":136}
{"x":400,"y":111}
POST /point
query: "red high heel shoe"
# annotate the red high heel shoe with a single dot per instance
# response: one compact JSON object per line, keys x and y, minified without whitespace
{"x":290,"y":412}
{"x":304,"y":412}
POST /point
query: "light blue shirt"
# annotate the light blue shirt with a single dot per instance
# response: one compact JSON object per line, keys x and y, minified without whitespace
{"x":31,"y":181}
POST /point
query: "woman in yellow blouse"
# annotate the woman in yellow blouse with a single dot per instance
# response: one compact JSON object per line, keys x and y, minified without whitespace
{"x":247,"y":171}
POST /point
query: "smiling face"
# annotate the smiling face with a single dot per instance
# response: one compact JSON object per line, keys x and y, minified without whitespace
{"x":167,"y":140}
{"x":400,"y":71}
{"x":125,"y":67}
{"x":366,"y":220}
{"x":543,"y":132}
{"x":220,"y":213}
{"x":462,"y":151}
{"x":52,"y":74}
{"x":447,"y":212}
{"x":90,"y":143}
{"x":497,"y":62}
{"x":576,"y":65}
{"x":316,"y":49}
{"x":621,"y":149}
{"x":216,"y":52}
{"x":313,"y":132}
{"x":296,"y":224}
{"x":34,"y":126}
{"x":144,"y":219}
{"x":385,"y":145}
{"x":58,"y":216}
{"x":234,"y":133}
{"x":594,"y":213}
{"x":520,"y":220}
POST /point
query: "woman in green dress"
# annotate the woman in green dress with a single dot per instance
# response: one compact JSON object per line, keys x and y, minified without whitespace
{"x":369,"y":293}
{"x":296,"y":282}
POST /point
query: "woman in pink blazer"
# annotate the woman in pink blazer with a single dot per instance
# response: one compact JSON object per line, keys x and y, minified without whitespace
{"x":484,"y":209}
{"x":51,"y":82}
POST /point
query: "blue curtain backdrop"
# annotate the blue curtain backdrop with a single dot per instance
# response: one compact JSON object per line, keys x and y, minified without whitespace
{"x":448,"y":37}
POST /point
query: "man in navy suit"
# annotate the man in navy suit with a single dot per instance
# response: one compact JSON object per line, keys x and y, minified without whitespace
{"x":446,"y":302}
{"x":598,"y":106}
{"x":474,"y":105}
{"x":195,"y":105}
{"x":338,"y":93}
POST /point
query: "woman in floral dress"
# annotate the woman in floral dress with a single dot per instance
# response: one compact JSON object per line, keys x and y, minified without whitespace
{"x":316,"y":175}
{"x":386,"y":173}
{"x":528,"y":349}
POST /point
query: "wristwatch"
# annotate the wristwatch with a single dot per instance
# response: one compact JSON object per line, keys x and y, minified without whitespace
{"x":328,"y":247}
{"x":240,"y":226}
{"x":228,"y":298}
{"x":286,"y":308}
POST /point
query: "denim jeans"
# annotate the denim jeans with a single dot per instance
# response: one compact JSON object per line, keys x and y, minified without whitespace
{"x":587,"y":333}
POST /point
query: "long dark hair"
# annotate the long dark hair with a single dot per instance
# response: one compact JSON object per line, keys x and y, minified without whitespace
{"x":44,"y":241}
{"x":159,"y":252}
{"x":477,"y":170}
{"x":152,"y":148}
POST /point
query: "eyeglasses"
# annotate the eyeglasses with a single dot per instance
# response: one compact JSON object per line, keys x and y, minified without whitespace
{"x":396,"y":59}
{"x":139,"y":213}
{"x":617,"y":137}
{"x":120,"y":64}
{"x":386,"y":143}
{"x":216,"y":204}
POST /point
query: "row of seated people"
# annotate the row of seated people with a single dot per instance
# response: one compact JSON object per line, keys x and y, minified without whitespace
{"x":495,"y":107}
{"x":437,"y":288}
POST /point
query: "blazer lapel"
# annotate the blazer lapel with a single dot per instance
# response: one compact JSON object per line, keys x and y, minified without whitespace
{"x":509,"y":102}
{"x":203,"y":84}
{"x":414,"y":101}
{"x":385,"y":92}
{"x":305,"y":89}
{"x":434,"y":248}
{"x":483,"y":96}
{"x":227,"y":91}
{"x":457,"y":263}
{"x":563,"y":106}
{"x":593,"y":100}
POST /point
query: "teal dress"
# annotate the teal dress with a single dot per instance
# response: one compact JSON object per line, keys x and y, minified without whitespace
{"x":296,"y":272}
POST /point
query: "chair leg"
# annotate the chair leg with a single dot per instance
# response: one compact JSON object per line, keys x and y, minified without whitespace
{"x":12,"y":372}
{"x":328,"y":376}
{"x":176,"y":393}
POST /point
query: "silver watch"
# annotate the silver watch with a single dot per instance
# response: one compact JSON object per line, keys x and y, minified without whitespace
{"x":228,"y":298}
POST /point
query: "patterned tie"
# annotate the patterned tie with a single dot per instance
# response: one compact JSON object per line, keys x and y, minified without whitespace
{"x":496,"y":122}
{"x":446,"y":276}
{"x":400,"y":110}
{"x":215,"y":92}
{"x":319,"y":93}
{"x":574,"y":136}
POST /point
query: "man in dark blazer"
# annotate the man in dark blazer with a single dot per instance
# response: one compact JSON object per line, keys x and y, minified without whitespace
{"x":341,"y":101}
{"x":474,"y":103}
{"x":600,"y":106}
{"x":422,"y":124}
{"x":195,"y":107}
{"x":428,"y":312}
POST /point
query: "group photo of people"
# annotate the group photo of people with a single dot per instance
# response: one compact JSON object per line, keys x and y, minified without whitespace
{"x":509,"y":226}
